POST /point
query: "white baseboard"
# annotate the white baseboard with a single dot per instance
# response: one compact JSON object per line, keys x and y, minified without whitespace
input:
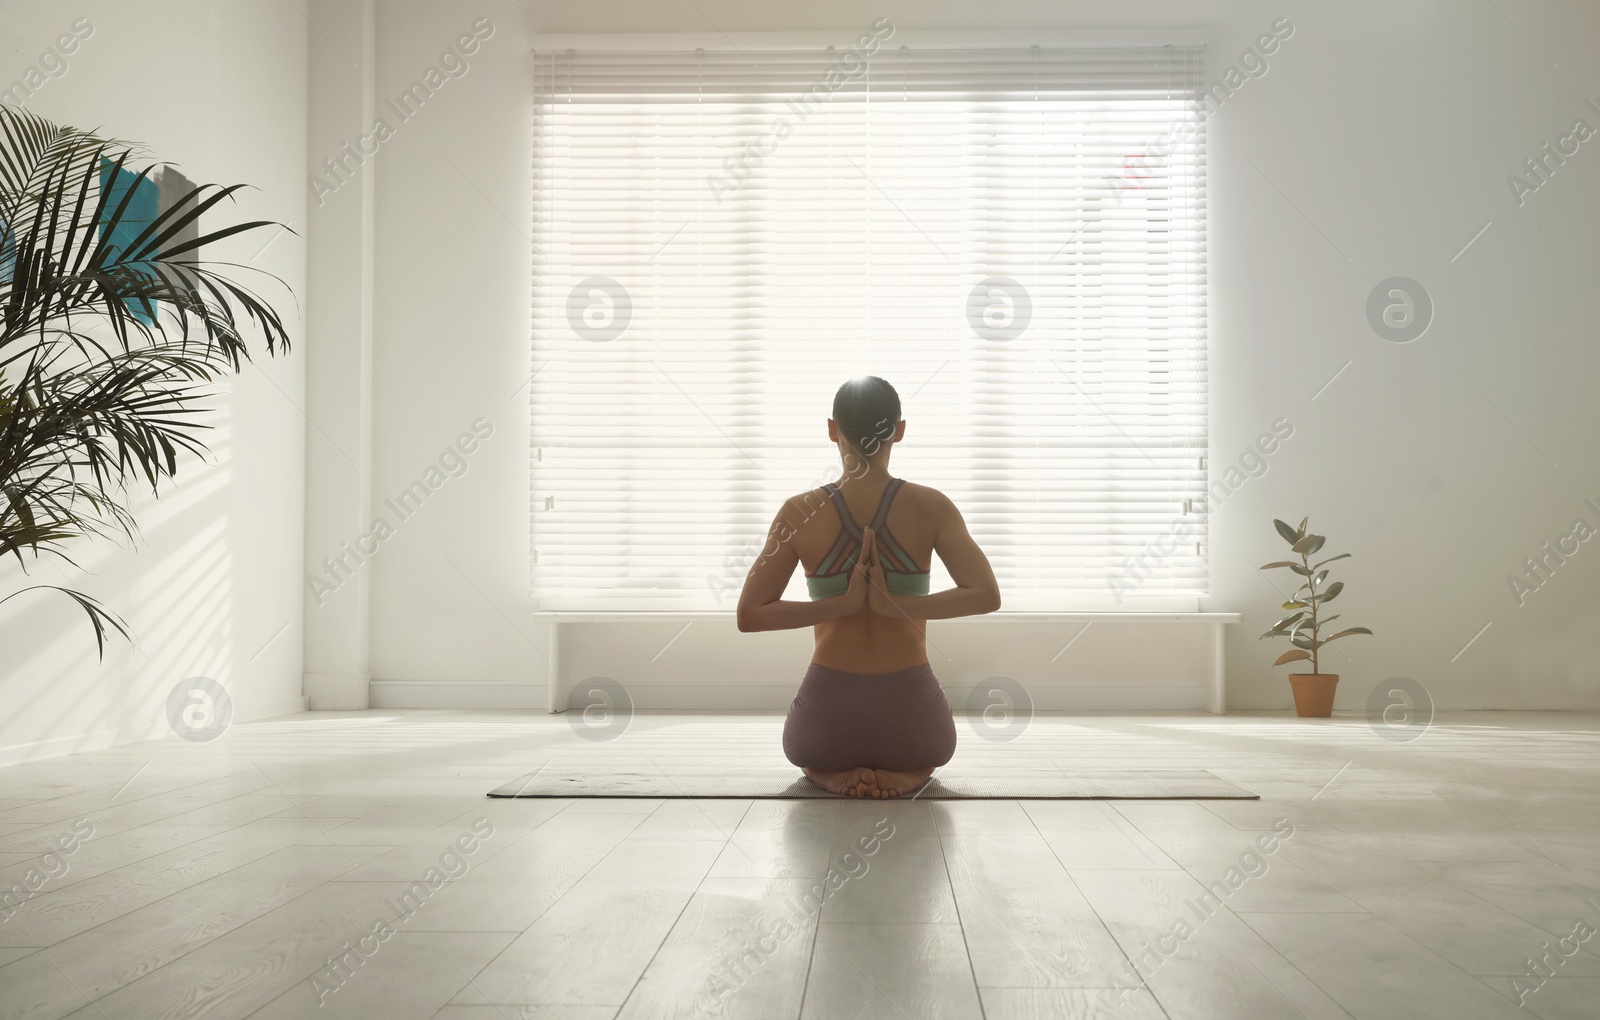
{"x":100,"y":740}
{"x":290,"y":706}
{"x":337,"y":692}
{"x":94,"y":740}
{"x":1100,"y":698}
{"x":456,"y":694}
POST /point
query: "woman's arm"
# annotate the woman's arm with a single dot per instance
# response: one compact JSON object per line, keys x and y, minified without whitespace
{"x":976,"y":591}
{"x":761,"y":603}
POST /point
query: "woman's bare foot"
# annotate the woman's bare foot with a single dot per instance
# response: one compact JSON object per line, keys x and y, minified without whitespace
{"x":856,"y":782}
{"x":892,"y":784}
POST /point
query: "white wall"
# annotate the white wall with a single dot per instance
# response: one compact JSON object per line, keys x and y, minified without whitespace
{"x":1397,"y":143}
{"x":218,"y":89}
{"x":1388,"y":127}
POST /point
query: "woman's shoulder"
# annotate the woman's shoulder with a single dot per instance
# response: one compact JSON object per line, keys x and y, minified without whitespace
{"x":927,"y":503}
{"x":925,"y":495}
{"x":803,"y":506}
{"x":818,"y":496}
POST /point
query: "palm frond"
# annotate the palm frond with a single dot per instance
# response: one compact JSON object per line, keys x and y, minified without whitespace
{"x":99,"y":616}
{"x":112,"y":332}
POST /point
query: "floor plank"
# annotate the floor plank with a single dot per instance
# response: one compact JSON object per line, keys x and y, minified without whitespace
{"x":596,"y":941}
{"x":885,"y":971}
{"x":741,"y":948}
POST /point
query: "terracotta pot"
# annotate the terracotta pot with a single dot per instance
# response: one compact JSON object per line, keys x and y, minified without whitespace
{"x":1313,"y":694}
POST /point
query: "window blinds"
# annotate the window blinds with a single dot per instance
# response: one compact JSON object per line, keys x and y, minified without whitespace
{"x":1013,"y":237}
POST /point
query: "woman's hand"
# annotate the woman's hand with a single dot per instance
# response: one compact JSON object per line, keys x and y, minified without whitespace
{"x":859,"y":595}
{"x":878,"y":598}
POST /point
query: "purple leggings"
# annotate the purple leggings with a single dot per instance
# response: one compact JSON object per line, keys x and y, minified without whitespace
{"x":841,"y":720}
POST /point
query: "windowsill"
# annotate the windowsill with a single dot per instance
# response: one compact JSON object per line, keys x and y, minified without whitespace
{"x":1003,"y":616}
{"x":1018,"y":604}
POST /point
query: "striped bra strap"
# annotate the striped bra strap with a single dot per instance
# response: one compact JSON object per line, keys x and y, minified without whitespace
{"x":878,"y":519}
{"x":882,"y":516}
{"x":850,"y":530}
{"x":887,"y":546}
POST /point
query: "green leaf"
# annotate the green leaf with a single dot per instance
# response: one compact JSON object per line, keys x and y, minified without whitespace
{"x":1321,"y":575}
{"x":1308,"y":545}
{"x":1332,"y":591}
{"x":1302,"y":571}
{"x":1346,"y":633}
{"x":1287,"y":620}
{"x":1301,"y":641}
{"x":1330,"y":559}
{"x":1297,"y":604}
{"x":1280,"y":563}
{"x":1301,"y":533}
{"x":1287,"y":532}
{"x":1292,"y":655}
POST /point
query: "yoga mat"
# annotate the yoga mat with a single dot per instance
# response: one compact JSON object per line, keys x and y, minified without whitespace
{"x":596,"y":780}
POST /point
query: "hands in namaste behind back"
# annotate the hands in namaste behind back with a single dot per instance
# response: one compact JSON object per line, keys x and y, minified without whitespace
{"x":867,"y":587}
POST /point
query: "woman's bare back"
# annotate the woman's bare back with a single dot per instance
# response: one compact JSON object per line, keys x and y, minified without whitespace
{"x":865,"y":641}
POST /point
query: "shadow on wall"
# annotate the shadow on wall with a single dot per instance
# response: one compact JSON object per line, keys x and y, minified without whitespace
{"x":177,"y":592}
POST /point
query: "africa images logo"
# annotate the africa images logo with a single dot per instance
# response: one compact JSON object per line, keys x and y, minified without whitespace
{"x":199,"y":709}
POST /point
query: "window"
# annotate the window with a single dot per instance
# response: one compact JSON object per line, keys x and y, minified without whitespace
{"x":1013,"y":237}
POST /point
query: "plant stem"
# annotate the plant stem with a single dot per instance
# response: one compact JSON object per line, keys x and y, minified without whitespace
{"x":1311,"y":584}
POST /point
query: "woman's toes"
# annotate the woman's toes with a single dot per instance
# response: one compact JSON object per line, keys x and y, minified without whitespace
{"x":833,"y":782}
{"x":852,"y":782}
{"x":896,"y":783}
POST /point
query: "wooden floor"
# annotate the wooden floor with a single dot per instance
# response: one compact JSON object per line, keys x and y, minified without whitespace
{"x":226,"y":879}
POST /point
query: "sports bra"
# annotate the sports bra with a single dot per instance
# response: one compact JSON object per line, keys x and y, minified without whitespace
{"x":900,"y":574}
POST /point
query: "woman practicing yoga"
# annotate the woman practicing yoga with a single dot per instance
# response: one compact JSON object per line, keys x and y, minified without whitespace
{"x":870,"y":719}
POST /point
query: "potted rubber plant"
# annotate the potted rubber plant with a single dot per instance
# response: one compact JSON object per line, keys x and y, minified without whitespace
{"x":1313,"y":691}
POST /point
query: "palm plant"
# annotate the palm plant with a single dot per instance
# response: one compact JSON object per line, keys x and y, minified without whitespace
{"x":111,"y":330}
{"x":1303,"y":627}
